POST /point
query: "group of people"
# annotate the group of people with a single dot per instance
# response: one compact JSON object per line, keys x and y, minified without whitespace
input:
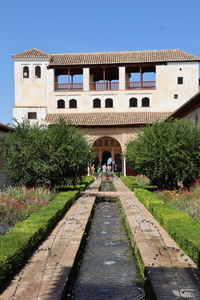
{"x":105,"y":168}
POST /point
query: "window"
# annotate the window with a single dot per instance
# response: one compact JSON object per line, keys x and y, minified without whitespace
{"x":145,"y":102}
{"x":96,"y":103}
{"x":61,"y":103}
{"x":32,"y":115}
{"x":109,"y":102}
{"x":133,"y":102}
{"x":38,"y":72}
{"x":72,"y":103}
{"x":26,"y":72}
{"x":180,"y":80}
{"x":175,"y":96}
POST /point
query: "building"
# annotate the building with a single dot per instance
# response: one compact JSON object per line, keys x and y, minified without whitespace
{"x":109,"y":96}
{"x":189,"y":110}
{"x":4,"y":129}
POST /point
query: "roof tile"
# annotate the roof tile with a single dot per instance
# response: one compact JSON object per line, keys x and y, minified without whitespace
{"x":108,"y":119}
{"x":98,"y":58}
{"x":32,"y":53}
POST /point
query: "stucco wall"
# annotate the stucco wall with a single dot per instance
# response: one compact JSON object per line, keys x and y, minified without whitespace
{"x":36,"y":94}
{"x":195,"y":116}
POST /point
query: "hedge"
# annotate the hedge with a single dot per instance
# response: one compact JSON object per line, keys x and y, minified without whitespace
{"x":132,"y":184}
{"x":182,"y":228}
{"x":18,"y":244}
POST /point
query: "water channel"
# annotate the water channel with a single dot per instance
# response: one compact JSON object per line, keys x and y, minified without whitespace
{"x":107,"y":270}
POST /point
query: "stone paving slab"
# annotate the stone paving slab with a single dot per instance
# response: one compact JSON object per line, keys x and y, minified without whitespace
{"x":45,"y":274}
{"x":172,"y":274}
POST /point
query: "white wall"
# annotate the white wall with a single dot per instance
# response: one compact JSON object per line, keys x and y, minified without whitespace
{"x":38,"y":95}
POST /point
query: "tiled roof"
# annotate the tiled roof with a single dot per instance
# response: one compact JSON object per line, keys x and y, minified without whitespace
{"x":121,"y":57}
{"x":108,"y":119}
{"x":99,"y":58}
{"x":32,"y":53}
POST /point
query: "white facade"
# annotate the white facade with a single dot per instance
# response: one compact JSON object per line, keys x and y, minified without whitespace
{"x":175,"y":83}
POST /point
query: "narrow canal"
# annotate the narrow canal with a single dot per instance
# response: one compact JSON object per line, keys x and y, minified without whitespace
{"x":108,"y":270}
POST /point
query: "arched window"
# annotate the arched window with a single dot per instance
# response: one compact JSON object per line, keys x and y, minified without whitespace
{"x":26,"y":72}
{"x":38,"y":72}
{"x":61,"y":103}
{"x":133,"y":102}
{"x":96,"y":103}
{"x":145,"y":102}
{"x":109,"y":102}
{"x":72,"y":103}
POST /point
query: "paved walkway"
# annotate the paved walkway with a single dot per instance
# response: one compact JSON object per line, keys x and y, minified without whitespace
{"x":172,"y":274}
{"x":47,"y":271}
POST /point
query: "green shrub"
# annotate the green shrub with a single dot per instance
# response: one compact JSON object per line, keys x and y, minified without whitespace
{"x":183,"y":229}
{"x":167,"y":153}
{"x":187,"y":234}
{"x":20,"y":241}
{"x":46,"y":155}
{"x":133,"y":182}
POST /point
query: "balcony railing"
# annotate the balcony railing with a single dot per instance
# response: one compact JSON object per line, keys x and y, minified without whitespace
{"x":140,"y":85}
{"x":104,"y":86}
{"x":69,"y":86}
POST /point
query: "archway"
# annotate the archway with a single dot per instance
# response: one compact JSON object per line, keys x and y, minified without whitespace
{"x":106,"y":148}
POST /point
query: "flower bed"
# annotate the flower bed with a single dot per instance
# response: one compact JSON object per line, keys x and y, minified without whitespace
{"x":17,"y":203}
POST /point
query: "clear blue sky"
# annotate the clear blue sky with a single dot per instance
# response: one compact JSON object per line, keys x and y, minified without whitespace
{"x":88,"y":26}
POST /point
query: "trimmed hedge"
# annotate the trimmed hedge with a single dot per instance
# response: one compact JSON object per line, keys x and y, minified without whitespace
{"x":17,"y":245}
{"x":132,"y":184}
{"x":182,"y":228}
{"x":20,"y":241}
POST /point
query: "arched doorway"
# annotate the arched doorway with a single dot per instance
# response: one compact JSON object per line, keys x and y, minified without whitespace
{"x":108,"y":148}
{"x":105,"y":156}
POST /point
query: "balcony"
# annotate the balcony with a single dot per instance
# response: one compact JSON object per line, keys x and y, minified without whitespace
{"x":68,"y":86}
{"x":104,"y":86}
{"x":140,"y":85}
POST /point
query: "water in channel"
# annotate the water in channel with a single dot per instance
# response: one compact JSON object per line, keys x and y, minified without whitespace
{"x":107,"y":270}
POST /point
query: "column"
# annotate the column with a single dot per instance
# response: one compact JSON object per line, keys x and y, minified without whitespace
{"x":86,"y":79}
{"x":122,"y":78}
{"x":113,"y":159}
{"x":124,"y":166}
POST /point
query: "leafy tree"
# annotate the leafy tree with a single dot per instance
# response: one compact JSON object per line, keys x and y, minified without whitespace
{"x":168,"y":153}
{"x":37,"y":154}
{"x":69,"y":152}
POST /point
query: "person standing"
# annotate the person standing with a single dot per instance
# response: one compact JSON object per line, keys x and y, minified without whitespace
{"x":104,"y":168}
{"x":92,"y":169}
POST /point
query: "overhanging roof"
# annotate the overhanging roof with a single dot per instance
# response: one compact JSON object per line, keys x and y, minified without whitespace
{"x":102,"y":58}
{"x":108,"y":119}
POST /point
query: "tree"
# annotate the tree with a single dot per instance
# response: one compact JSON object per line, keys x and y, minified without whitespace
{"x":69,"y":152}
{"x":167,"y":153}
{"x":37,"y":154}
